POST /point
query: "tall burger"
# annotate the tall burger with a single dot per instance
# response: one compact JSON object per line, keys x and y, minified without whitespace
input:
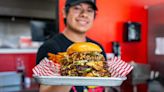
{"x":84,"y":59}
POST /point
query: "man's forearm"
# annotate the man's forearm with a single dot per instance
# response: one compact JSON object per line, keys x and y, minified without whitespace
{"x":47,"y":88}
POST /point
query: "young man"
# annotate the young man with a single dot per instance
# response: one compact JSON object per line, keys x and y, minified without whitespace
{"x":79,"y":17}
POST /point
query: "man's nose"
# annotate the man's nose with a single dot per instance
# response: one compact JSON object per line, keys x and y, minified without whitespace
{"x":83,"y":13}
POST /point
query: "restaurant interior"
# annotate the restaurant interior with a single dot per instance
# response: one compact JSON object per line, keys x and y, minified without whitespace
{"x":130,"y":29}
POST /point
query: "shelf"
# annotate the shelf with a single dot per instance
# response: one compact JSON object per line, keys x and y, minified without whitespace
{"x":17,"y":51}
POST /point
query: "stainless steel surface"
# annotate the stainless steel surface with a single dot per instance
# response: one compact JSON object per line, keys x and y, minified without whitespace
{"x":79,"y":81}
{"x":140,"y":73}
{"x":12,"y":31}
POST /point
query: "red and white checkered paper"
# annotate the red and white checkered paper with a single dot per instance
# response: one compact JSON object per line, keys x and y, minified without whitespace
{"x":117,"y":68}
{"x":46,"y":68}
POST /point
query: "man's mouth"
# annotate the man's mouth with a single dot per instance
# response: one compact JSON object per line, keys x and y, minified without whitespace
{"x":82,"y":22}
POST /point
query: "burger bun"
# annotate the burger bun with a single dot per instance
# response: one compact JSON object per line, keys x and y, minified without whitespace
{"x":83,"y":47}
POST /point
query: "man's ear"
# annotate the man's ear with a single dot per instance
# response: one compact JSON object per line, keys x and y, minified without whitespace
{"x":64,"y":13}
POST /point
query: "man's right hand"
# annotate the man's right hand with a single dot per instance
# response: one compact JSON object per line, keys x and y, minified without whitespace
{"x":47,"y":88}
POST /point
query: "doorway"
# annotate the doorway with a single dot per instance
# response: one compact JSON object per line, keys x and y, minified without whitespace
{"x":156,"y":39}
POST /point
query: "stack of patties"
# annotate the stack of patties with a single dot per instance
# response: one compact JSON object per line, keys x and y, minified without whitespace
{"x":84,"y":59}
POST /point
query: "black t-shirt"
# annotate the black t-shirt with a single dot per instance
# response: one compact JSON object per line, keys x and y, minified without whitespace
{"x":59,"y":43}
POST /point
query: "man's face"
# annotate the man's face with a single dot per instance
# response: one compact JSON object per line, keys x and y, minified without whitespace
{"x":80,"y":17}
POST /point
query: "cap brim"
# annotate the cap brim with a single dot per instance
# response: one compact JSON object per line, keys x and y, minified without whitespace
{"x":85,"y":1}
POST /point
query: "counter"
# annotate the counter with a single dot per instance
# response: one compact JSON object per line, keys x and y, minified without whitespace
{"x":17,"y":51}
{"x":31,"y":87}
{"x":9,"y":58}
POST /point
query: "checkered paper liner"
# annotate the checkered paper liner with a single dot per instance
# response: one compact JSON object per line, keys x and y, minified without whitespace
{"x":46,"y":67}
{"x":117,"y":68}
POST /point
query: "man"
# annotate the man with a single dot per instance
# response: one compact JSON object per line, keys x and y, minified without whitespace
{"x":79,"y":16}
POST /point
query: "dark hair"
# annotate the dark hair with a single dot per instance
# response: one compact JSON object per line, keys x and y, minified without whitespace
{"x":66,"y":9}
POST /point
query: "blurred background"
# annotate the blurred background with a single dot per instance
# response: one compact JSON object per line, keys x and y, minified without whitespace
{"x":132,"y":30}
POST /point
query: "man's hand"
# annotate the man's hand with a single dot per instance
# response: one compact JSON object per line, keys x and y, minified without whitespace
{"x":47,"y":88}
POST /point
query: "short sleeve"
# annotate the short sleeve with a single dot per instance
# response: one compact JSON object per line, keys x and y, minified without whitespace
{"x":44,"y":50}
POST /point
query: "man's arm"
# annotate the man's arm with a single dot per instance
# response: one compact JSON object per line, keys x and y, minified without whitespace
{"x":47,"y":88}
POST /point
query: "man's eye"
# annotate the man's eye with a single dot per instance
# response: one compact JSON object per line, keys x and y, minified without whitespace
{"x":90,"y":10}
{"x":77,"y":8}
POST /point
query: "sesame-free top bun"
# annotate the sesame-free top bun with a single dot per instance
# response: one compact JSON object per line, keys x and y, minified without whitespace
{"x":83,"y":47}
